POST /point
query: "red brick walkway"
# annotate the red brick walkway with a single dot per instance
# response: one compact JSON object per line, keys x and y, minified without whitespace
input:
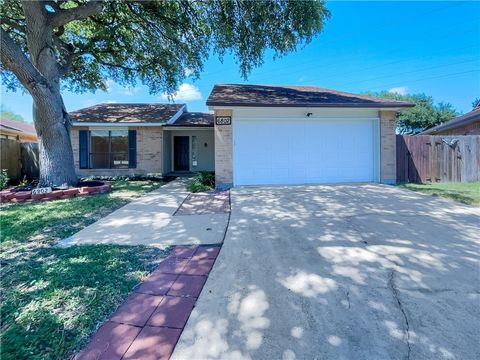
{"x":149,"y":323}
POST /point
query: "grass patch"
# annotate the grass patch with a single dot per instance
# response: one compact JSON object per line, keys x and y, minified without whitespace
{"x":467,"y":193}
{"x":53,"y":298}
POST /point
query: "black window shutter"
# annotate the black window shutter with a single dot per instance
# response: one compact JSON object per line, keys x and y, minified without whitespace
{"x":83,"y":148}
{"x":132,"y":149}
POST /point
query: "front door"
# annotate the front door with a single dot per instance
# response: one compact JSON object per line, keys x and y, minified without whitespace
{"x":181,"y":153}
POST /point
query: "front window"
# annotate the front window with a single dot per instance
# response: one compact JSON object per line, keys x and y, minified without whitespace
{"x":108,"y":149}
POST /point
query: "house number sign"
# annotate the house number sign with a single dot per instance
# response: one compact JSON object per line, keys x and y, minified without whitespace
{"x":44,"y":190}
{"x":223,"y":120}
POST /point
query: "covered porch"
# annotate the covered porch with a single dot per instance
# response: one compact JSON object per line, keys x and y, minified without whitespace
{"x":188,"y":149}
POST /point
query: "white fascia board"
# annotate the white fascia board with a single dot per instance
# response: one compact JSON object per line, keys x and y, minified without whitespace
{"x":301,"y":112}
{"x":123,"y":124}
{"x":189,"y":128}
{"x":177,"y":115}
{"x":296,"y":108}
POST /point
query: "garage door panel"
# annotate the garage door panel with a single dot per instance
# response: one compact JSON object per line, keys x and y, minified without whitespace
{"x":303,"y":151}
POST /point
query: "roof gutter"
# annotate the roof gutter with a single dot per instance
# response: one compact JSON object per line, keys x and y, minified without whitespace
{"x":325,"y":105}
{"x":121,"y":124}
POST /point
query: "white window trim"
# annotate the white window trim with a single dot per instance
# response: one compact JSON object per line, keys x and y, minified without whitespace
{"x":108,"y":128}
{"x":116,"y":125}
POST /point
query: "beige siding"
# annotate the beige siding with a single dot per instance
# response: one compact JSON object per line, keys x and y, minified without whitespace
{"x":205,"y":149}
{"x":223,"y":152}
{"x":388,"y":163}
{"x":149,"y":153}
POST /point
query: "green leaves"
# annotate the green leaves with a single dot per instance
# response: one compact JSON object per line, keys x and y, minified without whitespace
{"x":424,"y":115}
{"x":155,"y":41}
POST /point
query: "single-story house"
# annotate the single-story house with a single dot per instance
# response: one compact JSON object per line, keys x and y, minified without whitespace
{"x":257,"y":134}
{"x":127,"y":139}
{"x":16,"y":130}
{"x":466,"y":124}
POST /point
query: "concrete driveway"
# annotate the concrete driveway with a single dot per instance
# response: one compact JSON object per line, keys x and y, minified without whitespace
{"x":341,"y":272}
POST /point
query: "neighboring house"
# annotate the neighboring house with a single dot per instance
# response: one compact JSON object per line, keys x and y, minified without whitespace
{"x":123,"y":139}
{"x":16,"y":130}
{"x":262,"y":134}
{"x":467,"y":124}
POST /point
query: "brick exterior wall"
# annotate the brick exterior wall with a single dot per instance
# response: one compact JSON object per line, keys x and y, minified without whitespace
{"x":388,"y":147}
{"x":149,"y":153}
{"x":223,"y":152}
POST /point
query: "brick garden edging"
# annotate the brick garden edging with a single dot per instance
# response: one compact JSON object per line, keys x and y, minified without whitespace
{"x":11,"y":195}
{"x":149,"y":323}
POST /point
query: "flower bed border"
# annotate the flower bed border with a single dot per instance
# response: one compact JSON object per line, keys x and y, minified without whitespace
{"x":10,"y":195}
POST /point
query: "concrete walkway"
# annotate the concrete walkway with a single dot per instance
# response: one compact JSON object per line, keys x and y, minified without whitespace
{"x":341,"y":272}
{"x":149,"y":221}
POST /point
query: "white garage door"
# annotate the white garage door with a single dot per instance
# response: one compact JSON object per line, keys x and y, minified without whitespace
{"x":302,"y":151}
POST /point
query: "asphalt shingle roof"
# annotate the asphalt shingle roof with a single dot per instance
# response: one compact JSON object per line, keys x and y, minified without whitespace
{"x":461,"y":120}
{"x":126,"y":113}
{"x":197,"y":119}
{"x":18,"y":126}
{"x":293,"y":96}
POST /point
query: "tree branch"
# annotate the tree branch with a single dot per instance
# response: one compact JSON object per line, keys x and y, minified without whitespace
{"x":62,"y":17}
{"x":13,"y":23}
{"x":14,"y":59}
{"x":68,"y":52}
{"x":119,"y":66}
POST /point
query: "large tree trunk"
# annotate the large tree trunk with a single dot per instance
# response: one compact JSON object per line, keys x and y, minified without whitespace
{"x":40,"y":74}
{"x":55,"y":149}
{"x":49,"y":115}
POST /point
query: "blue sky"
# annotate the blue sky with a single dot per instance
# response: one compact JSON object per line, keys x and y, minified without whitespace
{"x":416,"y":47}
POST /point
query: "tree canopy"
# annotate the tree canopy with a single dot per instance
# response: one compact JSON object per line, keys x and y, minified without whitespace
{"x":476,"y":103}
{"x":424,"y":115}
{"x":48,"y":46}
{"x":157,"y":42}
{"x":10,"y":115}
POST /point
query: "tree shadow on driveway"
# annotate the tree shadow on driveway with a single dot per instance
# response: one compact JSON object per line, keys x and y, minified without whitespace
{"x":341,"y":271}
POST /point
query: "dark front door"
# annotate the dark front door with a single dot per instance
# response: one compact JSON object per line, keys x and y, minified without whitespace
{"x":180,"y":153}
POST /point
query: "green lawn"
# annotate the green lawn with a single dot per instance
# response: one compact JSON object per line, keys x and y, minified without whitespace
{"x":467,"y":193}
{"x":53,"y":298}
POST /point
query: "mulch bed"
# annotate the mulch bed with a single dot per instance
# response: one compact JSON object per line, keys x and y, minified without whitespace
{"x":17,"y":195}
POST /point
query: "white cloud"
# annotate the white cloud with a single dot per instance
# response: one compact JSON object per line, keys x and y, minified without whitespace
{"x":92,"y":102}
{"x":401,"y":90}
{"x":188,"y":72}
{"x":186,"y":92}
{"x":128,"y":90}
{"x":109,"y":84}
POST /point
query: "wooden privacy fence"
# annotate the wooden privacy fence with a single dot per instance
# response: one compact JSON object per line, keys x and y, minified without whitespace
{"x":436,"y":158}
{"x":20,"y":159}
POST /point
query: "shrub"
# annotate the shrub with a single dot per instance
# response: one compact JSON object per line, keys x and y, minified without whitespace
{"x":201,"y":182}
{"x":134,"y":177}
{"x":4,"y":179}
{"x":207,"y":178}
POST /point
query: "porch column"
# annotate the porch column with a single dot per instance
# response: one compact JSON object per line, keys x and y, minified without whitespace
{"x":388,"y":147}
{"x":223,"y":151}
